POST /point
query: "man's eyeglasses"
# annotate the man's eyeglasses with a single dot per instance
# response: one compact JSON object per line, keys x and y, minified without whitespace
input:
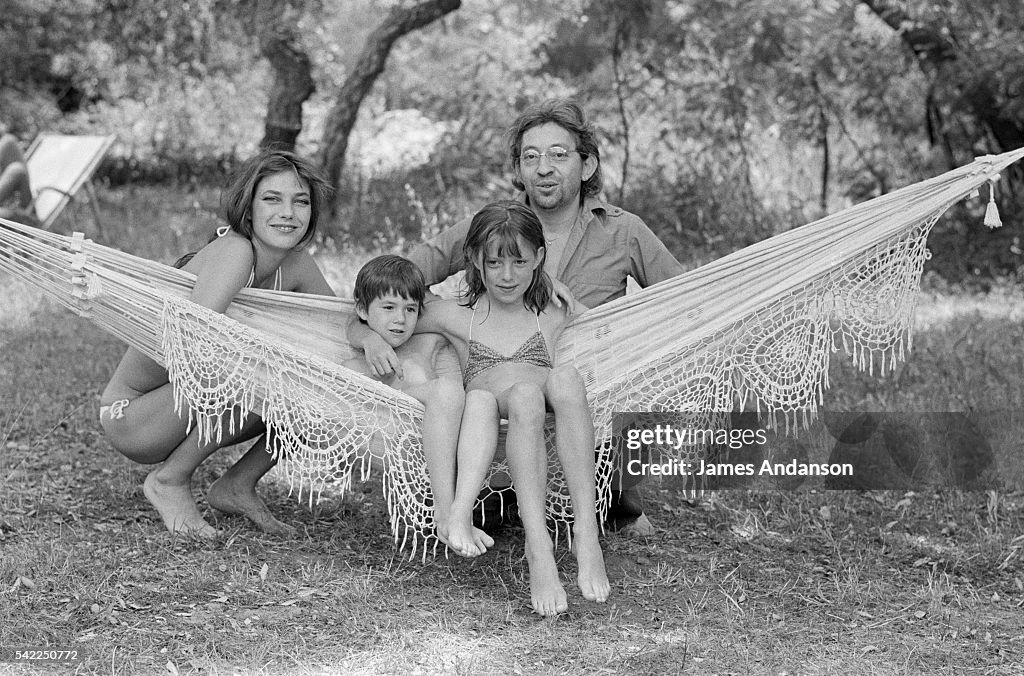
{"x":555,"y":155}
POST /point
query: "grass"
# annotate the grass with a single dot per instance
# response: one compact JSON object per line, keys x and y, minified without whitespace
{"x":804,"y":582}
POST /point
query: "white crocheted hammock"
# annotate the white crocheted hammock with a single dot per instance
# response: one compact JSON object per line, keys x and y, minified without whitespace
{"x":755,"y":328}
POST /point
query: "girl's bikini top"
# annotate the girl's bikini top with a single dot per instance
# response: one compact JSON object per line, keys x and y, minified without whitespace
{"x":481,"y":357}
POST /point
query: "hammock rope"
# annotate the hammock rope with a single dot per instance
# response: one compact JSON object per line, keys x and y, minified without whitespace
{"x":754,"y":329}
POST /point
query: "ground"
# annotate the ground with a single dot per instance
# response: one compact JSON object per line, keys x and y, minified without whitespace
{"x":778,"y":582}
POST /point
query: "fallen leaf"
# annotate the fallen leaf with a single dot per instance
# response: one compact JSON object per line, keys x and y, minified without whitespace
{"x":263,"y":572}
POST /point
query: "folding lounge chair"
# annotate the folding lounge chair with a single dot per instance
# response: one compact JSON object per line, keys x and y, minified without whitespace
{"x":59,"y":166}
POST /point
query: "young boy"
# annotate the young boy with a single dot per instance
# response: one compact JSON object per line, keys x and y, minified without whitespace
{"x":389,"y":294}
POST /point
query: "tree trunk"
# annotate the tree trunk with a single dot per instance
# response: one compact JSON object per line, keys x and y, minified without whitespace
{"x":370,"y":65}
{"x":293,"y":82}
{"x":936,"y":52}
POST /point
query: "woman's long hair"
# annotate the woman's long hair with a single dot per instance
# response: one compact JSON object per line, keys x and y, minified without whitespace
{"x":499,"y":226}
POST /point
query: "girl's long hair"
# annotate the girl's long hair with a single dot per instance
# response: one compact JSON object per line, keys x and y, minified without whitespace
{"x":500,"y":225}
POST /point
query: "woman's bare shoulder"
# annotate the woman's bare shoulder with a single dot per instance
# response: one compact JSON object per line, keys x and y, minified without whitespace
{"x":231,"y":250}
{"x":303,"y":274}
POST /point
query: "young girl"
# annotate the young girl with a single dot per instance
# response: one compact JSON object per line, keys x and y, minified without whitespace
{"x":272,"y":206}
{"x":503,"y":331}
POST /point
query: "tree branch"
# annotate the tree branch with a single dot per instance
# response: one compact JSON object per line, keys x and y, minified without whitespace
{"x":293,"y":83}
{"x":620,"y":96}
{"x":370,"y":65}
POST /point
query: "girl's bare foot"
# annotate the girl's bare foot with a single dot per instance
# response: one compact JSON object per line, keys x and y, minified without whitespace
{"x":229,"y":497}
{"x":177,"y":507}
{"x":464,"y":538}
{"x":592,"y":578}
{"x":546,"y":592}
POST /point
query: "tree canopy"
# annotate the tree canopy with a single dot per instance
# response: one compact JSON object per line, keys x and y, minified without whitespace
{"x":722,"y":121}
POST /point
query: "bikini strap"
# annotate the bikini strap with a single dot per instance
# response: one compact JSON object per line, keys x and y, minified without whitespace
{"x":277,"y":279}
{"x":472,"y":320}
{"x":538,"y":323}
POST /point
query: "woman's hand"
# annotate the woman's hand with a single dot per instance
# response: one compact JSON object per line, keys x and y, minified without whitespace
{"x":560,"y":294}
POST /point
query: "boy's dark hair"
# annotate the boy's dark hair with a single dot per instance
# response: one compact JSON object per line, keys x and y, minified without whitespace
{"x":389,"y":274}
{"x":568,"y":115}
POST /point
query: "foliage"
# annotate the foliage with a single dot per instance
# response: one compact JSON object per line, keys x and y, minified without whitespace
{"x":721,"y":121}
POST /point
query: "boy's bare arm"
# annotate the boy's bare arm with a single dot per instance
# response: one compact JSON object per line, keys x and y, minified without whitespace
{"x":380,"y":358}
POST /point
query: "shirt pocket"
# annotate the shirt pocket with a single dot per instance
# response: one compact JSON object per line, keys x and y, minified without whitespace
{"x":593,"y":289}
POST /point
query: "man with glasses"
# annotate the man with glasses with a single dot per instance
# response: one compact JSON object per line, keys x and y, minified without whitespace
{"x":591,"y":246}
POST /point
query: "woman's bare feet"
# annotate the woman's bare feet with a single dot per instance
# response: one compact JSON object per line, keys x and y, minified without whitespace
{"x":592,"y":578}
{"x":177,"y":507}
{"x":231,"y":498}
{"x":546,"y":592}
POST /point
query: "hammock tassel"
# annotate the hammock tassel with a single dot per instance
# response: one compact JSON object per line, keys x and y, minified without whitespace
{"x":992,"y":220}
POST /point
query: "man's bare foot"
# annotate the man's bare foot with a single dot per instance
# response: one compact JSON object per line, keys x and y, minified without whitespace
{"x":546,"y":592}
{"x":465,"y":539}
{"x":177,"y":507}
{"x":228,"y":497}
{"x":592,"y":578}
{"x":641,"y":527}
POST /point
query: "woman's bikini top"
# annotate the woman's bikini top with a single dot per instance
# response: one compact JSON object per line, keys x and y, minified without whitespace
{"x":481,"y":357}
{"x":252,"y":278}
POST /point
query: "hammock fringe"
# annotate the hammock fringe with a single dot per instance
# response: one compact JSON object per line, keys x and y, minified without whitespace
{"x":753,"y":330}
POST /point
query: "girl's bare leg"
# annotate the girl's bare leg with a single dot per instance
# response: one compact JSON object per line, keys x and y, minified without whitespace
{"x":523,"y":405}
{"x":478,"y":440}
{"x":574,"y":433}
